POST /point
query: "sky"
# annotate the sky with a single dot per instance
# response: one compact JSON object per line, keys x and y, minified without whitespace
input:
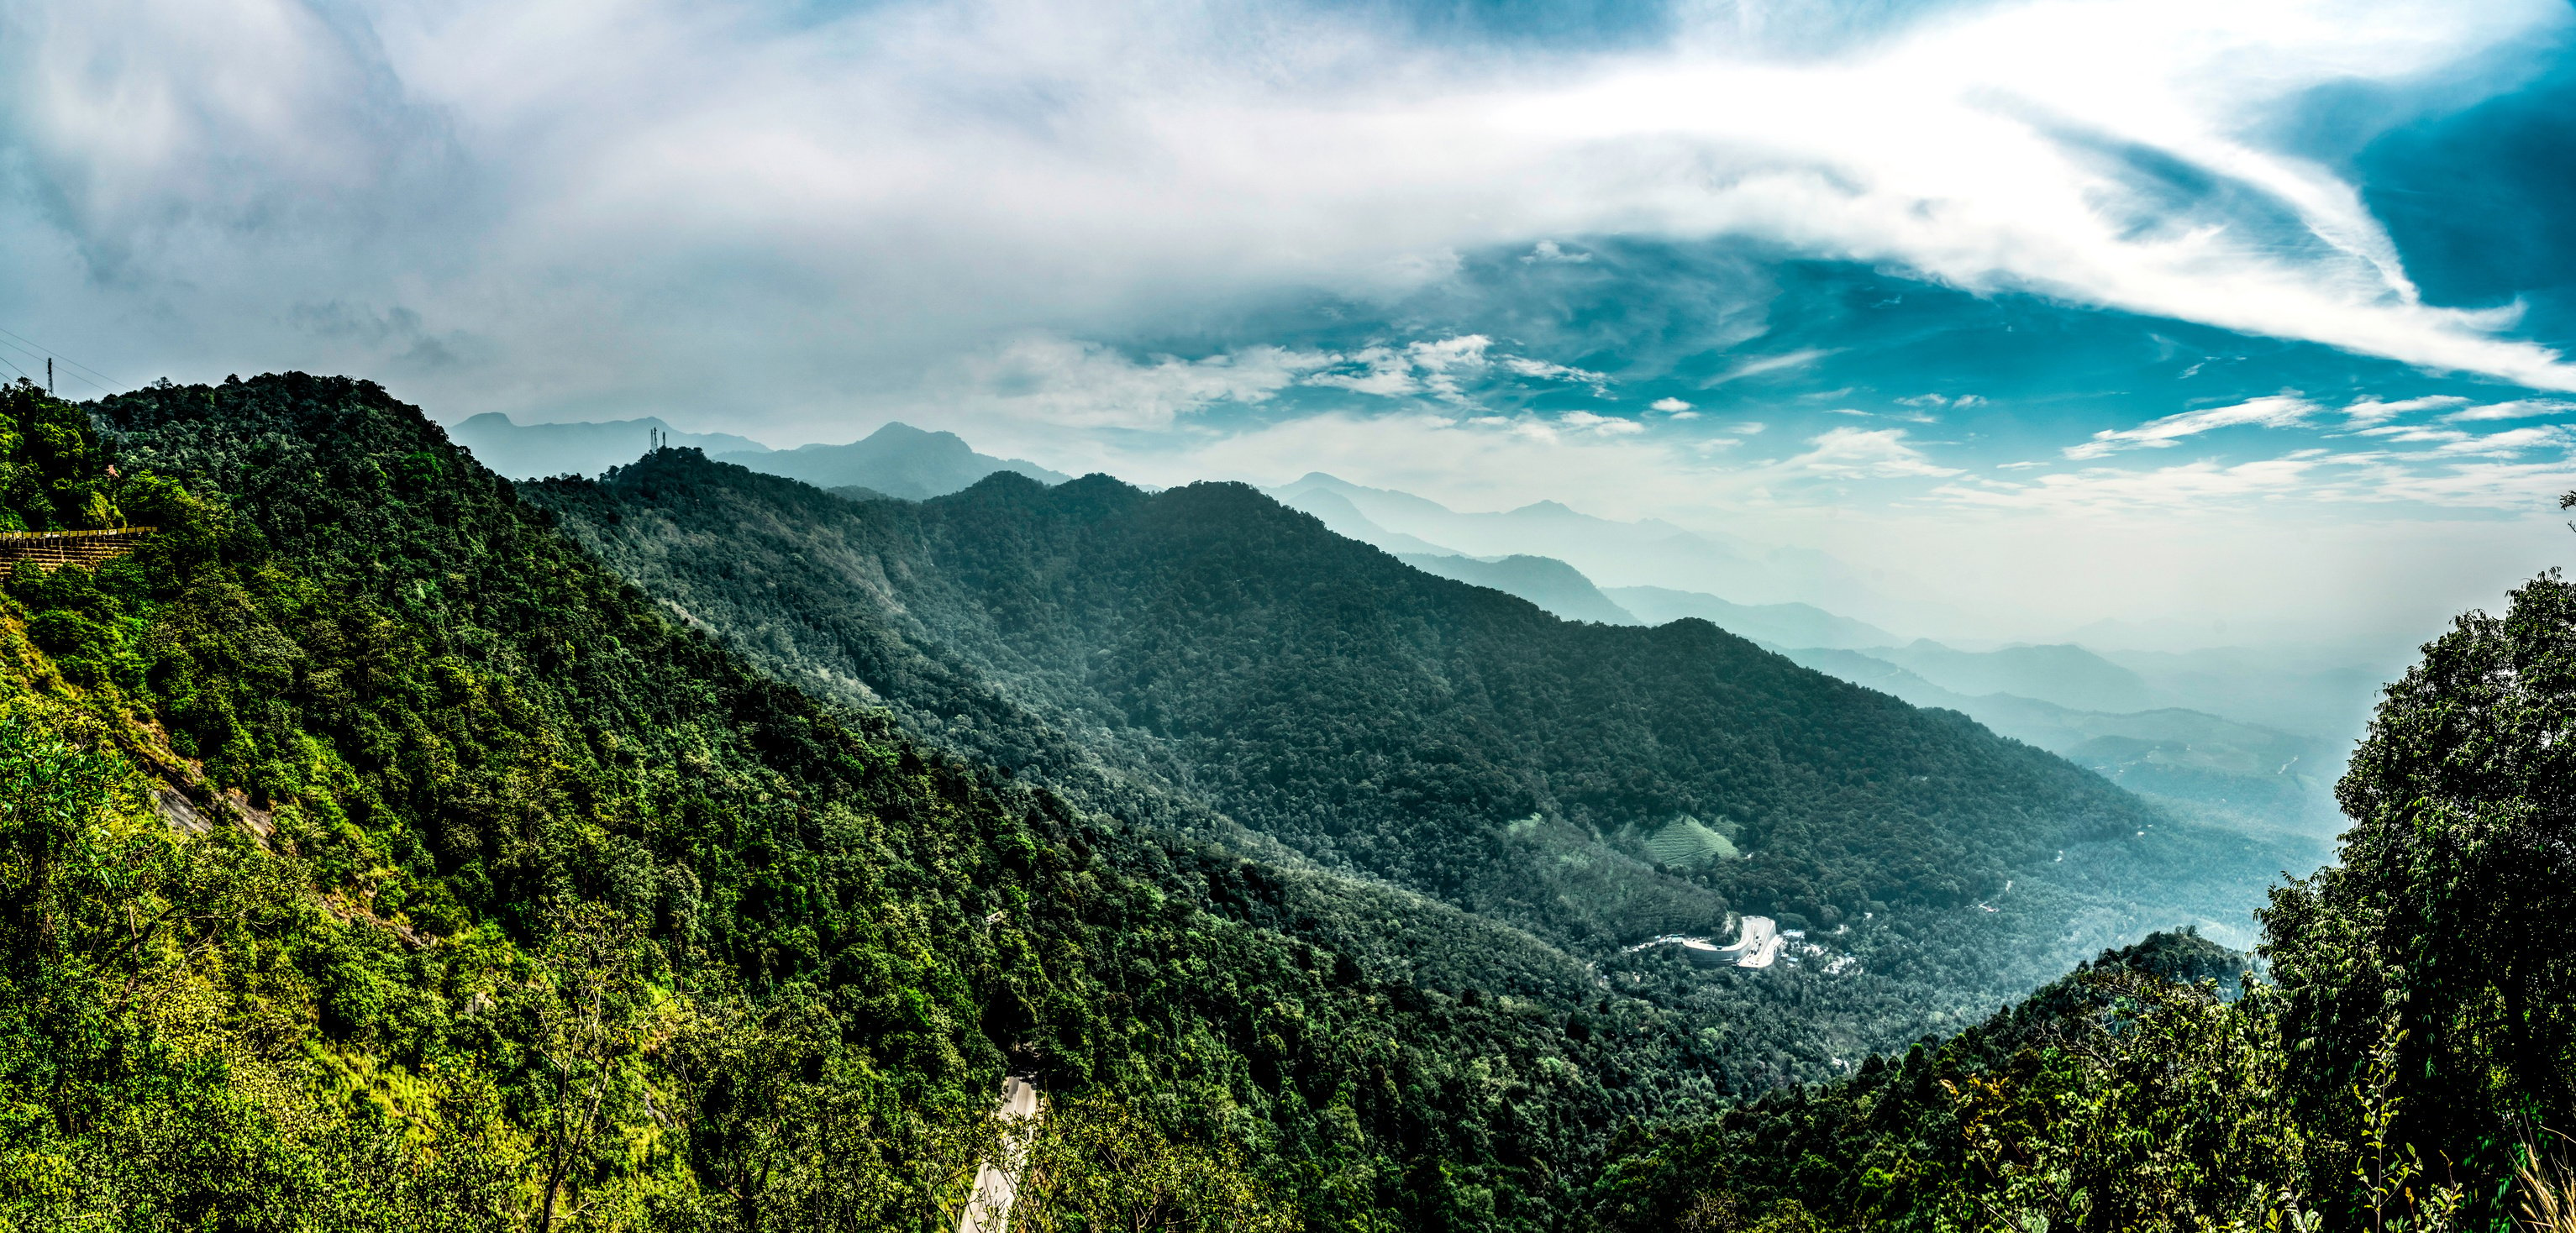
{"x":2225,"y":322}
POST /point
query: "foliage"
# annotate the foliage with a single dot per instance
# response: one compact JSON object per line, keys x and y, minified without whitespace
{"x":2449,"y":924}
{"x":2392,"y":1079}
{"x":1205,"y":660}
{"x":372,"y":857}
{"x":544,"y":901}
{"x":1093,"y":1165}
{"x":1324,"y":693}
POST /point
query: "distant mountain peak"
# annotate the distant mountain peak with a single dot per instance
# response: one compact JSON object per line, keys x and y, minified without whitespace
{"x":527,"y":451}
{"x":898,"y":459}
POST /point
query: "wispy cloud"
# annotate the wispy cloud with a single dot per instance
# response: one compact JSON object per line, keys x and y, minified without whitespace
{"x":1085,"y":385}
{"x":2519,"y":409}
{"x":2273,"y":411}
{"x":2368,"y":411}
{"x":1863,"y":453}
{"x":648,"y":196}
{"x":1759,"y":365}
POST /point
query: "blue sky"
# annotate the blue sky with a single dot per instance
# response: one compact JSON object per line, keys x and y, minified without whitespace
{"x":2044,"y":313}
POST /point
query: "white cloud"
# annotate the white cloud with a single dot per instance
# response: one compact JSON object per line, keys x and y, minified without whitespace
{"x":2519,"y":409}
{"x":1071,"y":384}
{"x":621,"y":199}
{"x":1858,"y":453}
{"x":1669,"y":406}
{"x":1542,"y":370}
{"x":1440,"y":369}
{"x":2367,"y":411}
{"x":2271,"y":411}
{"x":1433,"y":368}
{"x":2513,"y":441}
{"x":1963,"y":401}
{"x":2185,"y":487}
{"x":1606,"y":424}
{"x":2407,"y":434}
{"x":1775,"y":363}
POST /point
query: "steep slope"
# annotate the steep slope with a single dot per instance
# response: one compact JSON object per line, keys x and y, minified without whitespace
{"x":1797,"y":625}
{"x":1448,"y":738}
{"x":1551,"y":584}
{"x":898,"y":460}
{"x":499,"y":890}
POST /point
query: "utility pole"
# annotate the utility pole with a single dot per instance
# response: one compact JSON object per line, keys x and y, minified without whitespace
{"x":49,"y":374}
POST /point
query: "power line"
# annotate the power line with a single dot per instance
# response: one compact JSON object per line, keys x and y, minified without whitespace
{"x":33,"y":347}
{"x":58,"y":355}
{"x":35,"y":352}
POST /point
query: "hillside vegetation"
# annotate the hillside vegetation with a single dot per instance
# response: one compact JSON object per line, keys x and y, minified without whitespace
{"x":1209,"y":647}
{"x":373,"y":858}
{"x":2406,"y":1067}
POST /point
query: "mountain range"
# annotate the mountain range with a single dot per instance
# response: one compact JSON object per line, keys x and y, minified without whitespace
{"x":1375,"y":719}
{"x":897,"y":460}
{"x":2065,"y":699}
{"x":376,"y":857}
{"x":387,"y":845}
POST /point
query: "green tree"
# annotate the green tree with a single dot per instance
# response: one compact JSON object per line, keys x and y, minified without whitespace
{"x":1094,"y":1164}
{"x":2449,"y":924}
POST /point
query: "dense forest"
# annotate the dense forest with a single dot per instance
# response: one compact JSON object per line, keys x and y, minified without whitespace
{"x":1222,"y":650}
{"x":2404,"y":1065}
{"x":376,"y":859}
{"x":372,"y":856}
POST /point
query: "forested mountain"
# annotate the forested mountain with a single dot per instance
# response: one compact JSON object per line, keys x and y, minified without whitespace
{"x":372,"y":857}
{"x":898,"y":460}
{"x":2409,"y":1070}
{"x":1447,"y":738}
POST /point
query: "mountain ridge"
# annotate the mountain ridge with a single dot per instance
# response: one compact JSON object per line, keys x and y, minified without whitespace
{"x":897,"y":459}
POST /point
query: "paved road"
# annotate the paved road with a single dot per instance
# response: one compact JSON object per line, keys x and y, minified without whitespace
{"x":1756,"y":944}
{"x":997,"y":1183}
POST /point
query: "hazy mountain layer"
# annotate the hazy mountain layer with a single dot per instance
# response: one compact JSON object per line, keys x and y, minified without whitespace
{"x":1551,"y":584}
{"x":2069,"y":676}
{"x":526,"y":451}
{"x":898,"y":460}
{"x":2270,"y":783}
{"x":1647,"y":553}
{"x":1778,"y":624}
